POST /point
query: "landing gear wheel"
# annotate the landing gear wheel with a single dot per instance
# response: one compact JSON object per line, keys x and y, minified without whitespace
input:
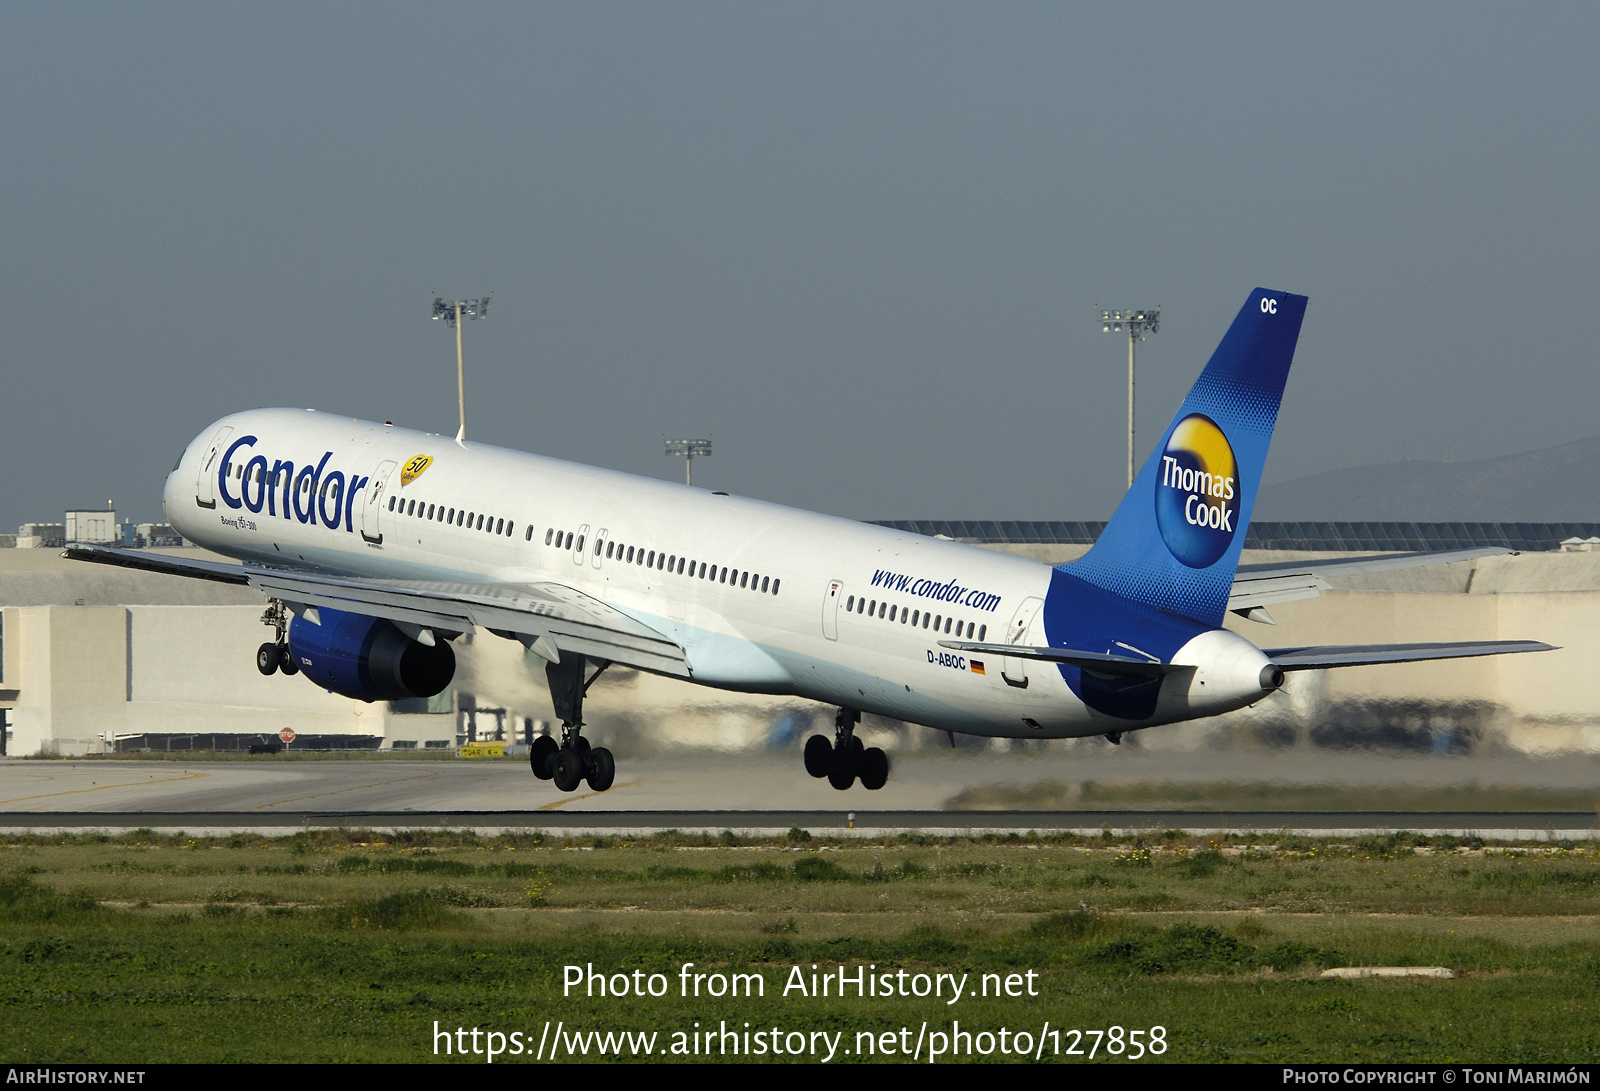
{"x":567,"y":769}
{"x":819,"y":755}
{"x":842,"y":770}
{"x":581,"y":745}
{"x":543,"y":749}
{"x":874,"y":769}
{"x":602,"y":769}
{"x":286,"y":661}
{"x":267,"y":659}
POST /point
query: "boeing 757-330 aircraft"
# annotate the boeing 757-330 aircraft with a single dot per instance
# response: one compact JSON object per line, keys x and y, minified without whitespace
{"x":378,"y":546}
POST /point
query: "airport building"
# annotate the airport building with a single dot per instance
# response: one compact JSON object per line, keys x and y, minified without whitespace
{"x":95,"y":658}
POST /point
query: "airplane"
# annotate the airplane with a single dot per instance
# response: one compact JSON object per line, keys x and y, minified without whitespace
{"x":377,"y":546}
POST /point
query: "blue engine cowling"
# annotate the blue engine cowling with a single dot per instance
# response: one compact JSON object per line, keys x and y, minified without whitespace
{"x":368,"y":658}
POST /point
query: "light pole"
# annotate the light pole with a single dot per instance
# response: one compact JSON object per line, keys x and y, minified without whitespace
{"x":688,"y":448}
{"x":452,"y":311}
{"x":1138,"y":323}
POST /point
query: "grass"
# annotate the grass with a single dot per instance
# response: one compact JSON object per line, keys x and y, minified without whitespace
{"x":348,"y":946}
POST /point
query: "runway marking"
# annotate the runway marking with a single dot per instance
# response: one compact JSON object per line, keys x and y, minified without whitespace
{"x":340,"y":791}
{"x":587,"y":795}
{"x":104,"y":787}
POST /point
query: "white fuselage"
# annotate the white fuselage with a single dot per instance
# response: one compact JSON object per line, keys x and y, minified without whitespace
{"x":802,"y":629}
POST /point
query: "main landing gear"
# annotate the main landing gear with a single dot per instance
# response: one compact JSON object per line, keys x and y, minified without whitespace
{"x":274,"y":656}
{"x":845,"y":759}
{"x":571,"y":761}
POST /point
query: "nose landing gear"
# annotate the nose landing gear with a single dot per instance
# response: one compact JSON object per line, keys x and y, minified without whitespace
{"x":845,"y":759}
{"x":571,"y":761}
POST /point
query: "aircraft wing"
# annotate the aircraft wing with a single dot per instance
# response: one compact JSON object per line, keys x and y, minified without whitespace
{"x":548,"y":617}
{"x":1257,"y":585}
{"x":1361,"y":655}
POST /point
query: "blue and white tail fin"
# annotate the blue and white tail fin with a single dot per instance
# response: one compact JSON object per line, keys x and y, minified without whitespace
{"x":1174,"y":541}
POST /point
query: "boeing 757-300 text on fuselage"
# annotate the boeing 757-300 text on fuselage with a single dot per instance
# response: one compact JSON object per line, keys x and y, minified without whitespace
{"x":378,"y":546}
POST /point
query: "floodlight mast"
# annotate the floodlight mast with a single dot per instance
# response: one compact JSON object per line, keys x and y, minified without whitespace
{"x":688,"y":448}
{"x":452,"y":311}
{"x":1138,"y":323}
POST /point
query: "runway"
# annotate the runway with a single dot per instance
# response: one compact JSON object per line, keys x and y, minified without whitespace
{"x":765,"y":794}
{"x":1488,"y":825}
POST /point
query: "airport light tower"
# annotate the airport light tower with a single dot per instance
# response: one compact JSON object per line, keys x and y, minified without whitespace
{"x":1138,"y":324}
{"x":452,"y":311}
{"x":688,"y":448}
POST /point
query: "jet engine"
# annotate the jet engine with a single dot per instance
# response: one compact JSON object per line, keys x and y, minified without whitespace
{"x":367,"y":658}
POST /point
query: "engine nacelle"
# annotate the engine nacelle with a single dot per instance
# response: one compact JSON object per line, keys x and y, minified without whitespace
{"x":367,"y":657}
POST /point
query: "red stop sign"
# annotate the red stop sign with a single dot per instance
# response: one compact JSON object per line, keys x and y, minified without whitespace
{"x":287,"y":735}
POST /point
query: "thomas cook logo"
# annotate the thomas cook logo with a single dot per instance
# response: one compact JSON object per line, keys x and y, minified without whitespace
{"x":1197,"y":498}
{"x":413,"y":469}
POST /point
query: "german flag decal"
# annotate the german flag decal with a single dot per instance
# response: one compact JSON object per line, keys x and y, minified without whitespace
{"x":413,"y":469}
{"x":977,"y":665}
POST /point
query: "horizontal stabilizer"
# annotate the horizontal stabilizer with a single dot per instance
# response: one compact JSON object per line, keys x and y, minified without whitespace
{"x":1099,"y":662}
{"x":1361,"y":655}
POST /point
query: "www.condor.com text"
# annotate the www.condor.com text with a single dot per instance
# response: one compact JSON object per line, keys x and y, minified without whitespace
{"x":558,"y":1041}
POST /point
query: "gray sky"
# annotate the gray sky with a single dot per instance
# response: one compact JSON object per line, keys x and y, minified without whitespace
{"x":858,"y":244}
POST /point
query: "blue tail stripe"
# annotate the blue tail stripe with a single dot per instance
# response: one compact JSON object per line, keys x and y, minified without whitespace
{"x":1158,"y":550}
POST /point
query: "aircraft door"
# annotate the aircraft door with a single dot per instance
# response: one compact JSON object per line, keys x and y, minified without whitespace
{"x":830,"y":609}
{"x":599,"y":546}
{"x":377,"y":496}
{"x":205,"y":485}
{"x":579,"y":542}
{"x":1015,"y":671}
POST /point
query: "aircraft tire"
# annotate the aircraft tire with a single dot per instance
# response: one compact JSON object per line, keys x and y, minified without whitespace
{"x":602,"y":769}
{"x":874,"y":769}
{"x":540,"y":754}
{"x":819,"y":756}
{"x":286,"y":661}
{"x":842,"y":778}
{"x":567,"y":769}
{"x":267,"y":659}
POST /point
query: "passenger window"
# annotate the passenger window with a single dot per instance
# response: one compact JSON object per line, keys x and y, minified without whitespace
{"x":946,"y":626}
{"x":905,"y":617}
{"x":763,"y":585}
{"x":935,"y":622}
{"x":580,"y":544}
{"x":391,"y":503}
{"x":983,"y":632}
{"x":775,"y":586}
{"x":891,"y":613}
{"x":927,"y":619}
{"x":850,"y":605}
{"x":915,"y":614}
{"x":680,"y":566}
{"x":530,"y":532}
{"x":597,"y":547}
{"x":430,"y":513}
{"x":548,"y":534}
{"x":672,"y":563}
{"x":609,"y":546}
{"x":568,"y":544}
{"x":702,"y":570}
{"x":630,"y":554}
{"x":500,"y":526}
{"x":744,"y":579}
